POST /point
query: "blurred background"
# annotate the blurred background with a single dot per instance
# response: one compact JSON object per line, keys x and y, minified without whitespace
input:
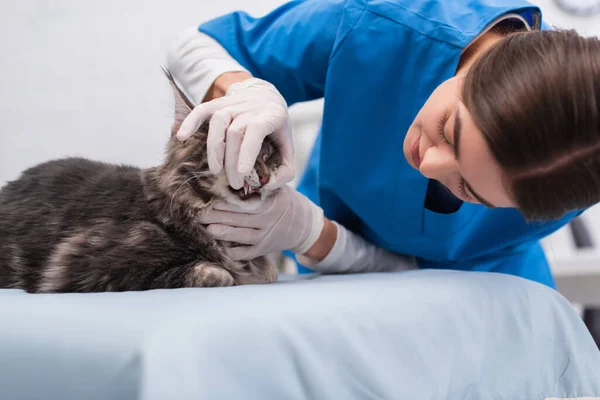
{"x":83,"y":78}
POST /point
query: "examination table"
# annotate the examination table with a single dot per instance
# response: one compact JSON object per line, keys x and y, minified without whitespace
{"x":412,"y":335}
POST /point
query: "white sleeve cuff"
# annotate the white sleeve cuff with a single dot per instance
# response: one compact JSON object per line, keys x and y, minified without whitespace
{"x":331,"y":260}
{"x":196,"y":60}
{"x":352,"y":254}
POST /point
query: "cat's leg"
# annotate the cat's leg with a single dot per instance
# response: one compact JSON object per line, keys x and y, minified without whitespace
{"x":123,"y":257}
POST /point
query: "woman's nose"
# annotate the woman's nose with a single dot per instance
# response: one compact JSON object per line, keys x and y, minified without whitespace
{"x":438,"y":163}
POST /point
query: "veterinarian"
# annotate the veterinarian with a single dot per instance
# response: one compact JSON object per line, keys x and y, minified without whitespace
{"x":456,"y":133}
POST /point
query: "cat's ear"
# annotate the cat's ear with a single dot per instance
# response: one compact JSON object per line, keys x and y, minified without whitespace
{"x":183,"y":106}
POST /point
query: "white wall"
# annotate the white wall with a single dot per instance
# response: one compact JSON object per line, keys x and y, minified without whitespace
{"x":83,"y":77}
{"x":589,"y":26}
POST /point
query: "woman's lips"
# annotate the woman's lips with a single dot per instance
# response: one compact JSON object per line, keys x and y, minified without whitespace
{"x":414,"y":151}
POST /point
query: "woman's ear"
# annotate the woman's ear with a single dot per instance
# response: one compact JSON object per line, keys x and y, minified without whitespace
{"x":182,"y":105}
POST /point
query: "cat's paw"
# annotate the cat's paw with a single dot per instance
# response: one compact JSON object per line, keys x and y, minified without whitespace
{"x":206,"y":274}
{"x":257,"y":271}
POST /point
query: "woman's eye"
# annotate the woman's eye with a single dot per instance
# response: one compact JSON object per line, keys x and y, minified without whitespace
{"x":440,"y":129}
{"x":463,"y":192}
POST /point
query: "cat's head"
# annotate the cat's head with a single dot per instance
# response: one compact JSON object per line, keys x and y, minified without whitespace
{"x":186,"y":164}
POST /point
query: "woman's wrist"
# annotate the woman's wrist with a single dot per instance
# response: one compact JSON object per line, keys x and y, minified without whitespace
{"x":222,"y":83}
{"x":321,"y":248}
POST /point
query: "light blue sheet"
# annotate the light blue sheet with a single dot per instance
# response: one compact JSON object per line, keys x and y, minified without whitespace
{"x":415,"y":336}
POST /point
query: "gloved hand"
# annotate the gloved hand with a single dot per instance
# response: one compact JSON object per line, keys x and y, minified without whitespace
{"x":239,"y":122}
{"x":286,"y":221}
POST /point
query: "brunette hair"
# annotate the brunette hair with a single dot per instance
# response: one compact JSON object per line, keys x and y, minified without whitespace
{"x":535,"y":96}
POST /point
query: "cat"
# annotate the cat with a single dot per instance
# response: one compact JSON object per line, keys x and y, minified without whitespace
{"x":77,"y":225}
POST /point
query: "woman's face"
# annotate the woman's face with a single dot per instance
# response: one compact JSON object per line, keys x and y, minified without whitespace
{"x":444,"y":144}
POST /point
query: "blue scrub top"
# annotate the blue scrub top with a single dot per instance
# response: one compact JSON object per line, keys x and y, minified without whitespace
{"x":376,"y":62}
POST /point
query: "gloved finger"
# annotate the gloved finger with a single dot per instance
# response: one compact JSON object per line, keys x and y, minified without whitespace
{"x":285,"y":174}
{"x":215,"y":142}
{"x":198,"y":115}
{"x":232,"y":219}
{"x":232,"y":150}
{"x":244,"y":253}
{"x":261,"y":207}
{"x":250,"y":147}
{"x":219,"y":124}
{"x":286,"y":143}
{"x":236,"y":235}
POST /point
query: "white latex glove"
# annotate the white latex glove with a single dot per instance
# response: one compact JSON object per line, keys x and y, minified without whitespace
{"x":239,"y":122}
{"x":286,"y":221}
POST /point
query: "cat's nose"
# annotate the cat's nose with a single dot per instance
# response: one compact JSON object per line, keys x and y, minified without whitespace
{"x":264,"y":178}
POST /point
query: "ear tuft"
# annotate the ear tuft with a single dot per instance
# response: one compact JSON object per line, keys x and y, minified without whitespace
{"x":183,"y":106}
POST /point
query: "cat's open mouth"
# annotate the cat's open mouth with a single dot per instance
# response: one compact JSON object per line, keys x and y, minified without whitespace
{"x":247,"y":191}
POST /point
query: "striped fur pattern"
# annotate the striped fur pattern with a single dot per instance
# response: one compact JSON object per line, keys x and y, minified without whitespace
{"x":77,"y":225}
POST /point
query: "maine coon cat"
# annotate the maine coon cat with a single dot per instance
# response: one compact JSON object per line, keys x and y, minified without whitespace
{"x":76,"y":225}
